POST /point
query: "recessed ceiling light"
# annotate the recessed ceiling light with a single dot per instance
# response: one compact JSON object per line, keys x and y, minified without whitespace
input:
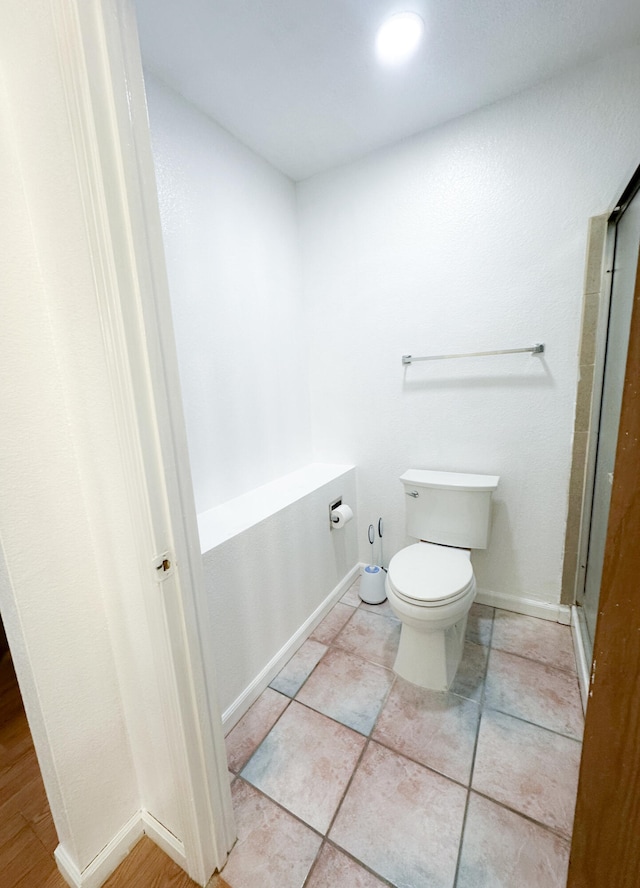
{"x":399,"y":37}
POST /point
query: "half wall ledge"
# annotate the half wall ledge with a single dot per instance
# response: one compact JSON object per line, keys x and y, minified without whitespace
{"x":217,"y":525}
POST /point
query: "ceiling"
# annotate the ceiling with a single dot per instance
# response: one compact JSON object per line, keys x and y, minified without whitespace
{"x":298,"y":81}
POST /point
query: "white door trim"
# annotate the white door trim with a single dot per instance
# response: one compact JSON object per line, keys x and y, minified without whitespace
{"x":100,"y":60}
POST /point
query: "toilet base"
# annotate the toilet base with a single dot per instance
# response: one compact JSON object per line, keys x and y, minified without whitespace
{"x":431,"y":659}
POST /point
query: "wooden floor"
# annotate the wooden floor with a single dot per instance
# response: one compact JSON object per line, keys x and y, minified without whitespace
{"x":27,"y":834}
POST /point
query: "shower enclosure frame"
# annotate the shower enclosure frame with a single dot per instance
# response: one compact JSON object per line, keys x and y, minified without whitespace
{"x":606,"y":835}
{"x":595,"y":341}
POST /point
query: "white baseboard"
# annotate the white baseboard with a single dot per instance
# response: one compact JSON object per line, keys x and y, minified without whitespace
{"x":582,"y":663}
{"x":106,"y":862}
{"x":112,"y":855}
{"x":557,"y":613}
{"x":232,"y":715}
{"x":164,"y":839}
{"x":531,"y":607}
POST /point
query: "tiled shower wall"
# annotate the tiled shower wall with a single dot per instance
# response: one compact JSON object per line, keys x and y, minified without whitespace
{"x":592,"y":323}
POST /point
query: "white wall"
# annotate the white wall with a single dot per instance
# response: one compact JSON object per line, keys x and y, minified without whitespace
{"x":230,"y":235}
{"x":52,"y":597}
{"x":469,"y":237}
{"x":230,"y":232}
{"x":267,"y":581}
{"x":53,"y":400}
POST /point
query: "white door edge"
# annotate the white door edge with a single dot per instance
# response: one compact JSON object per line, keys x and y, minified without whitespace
{"x":100,"y":58}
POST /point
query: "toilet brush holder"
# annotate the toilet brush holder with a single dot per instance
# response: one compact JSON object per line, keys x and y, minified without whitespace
{"x":372,"y":582}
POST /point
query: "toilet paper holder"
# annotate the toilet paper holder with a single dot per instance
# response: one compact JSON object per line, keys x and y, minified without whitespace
{"x":336,"y":518}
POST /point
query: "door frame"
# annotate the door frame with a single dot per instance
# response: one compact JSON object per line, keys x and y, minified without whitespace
{"x":99,"y":56}
{"x":606,"y":835}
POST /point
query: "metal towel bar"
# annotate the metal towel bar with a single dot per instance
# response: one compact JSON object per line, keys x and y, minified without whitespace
{"x":536,"y":349}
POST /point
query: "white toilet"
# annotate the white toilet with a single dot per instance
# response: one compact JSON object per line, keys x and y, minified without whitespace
{"x":430,"y":585}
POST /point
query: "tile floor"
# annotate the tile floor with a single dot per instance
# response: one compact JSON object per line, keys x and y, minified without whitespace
{"x":346,"y":775}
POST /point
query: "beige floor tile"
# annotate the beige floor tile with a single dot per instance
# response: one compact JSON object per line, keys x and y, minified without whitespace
{"x":480,"y":623}
{"x":550,"y":643}
{"x":372,"y":637}
{"x":347,"y":689}
{"x":253,"y":727}
{"x":305,"y":764}
{"x":401,"y":820}
{"x":274,"y":850}
{"x":327,"y":630}
{"x":333,"y":869}
{"x":534,"y":692}
{"x":438,"y":730}
{"x":528,"y":768}
{"x":470,"y":677}
{"x":351,"y":596}
{"x":501,"y":849}
{"x":291,"y":678}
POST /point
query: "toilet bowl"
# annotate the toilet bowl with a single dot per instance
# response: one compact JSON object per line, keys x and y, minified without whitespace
{"x":430,"y":589}
{"x":430,"y":584}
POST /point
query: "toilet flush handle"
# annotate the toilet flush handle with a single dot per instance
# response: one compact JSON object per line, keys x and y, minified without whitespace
{"x":413,"y":493}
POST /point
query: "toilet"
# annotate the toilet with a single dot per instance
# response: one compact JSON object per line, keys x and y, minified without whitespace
{"x":430,"y":584}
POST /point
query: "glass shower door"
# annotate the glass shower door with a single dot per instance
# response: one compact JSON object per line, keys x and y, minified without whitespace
{"x":625,"y":269}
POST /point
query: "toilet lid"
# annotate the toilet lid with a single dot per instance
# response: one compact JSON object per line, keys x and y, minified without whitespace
{"x":426,"y":574}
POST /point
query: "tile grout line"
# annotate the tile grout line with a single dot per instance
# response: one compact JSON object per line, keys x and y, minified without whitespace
{"x":251,"y":755}
{"x":364,"y":866}
{"x":282,"y":807}
{"x":571,"y":672}
{"x":487,"y":708}
{"x":306,"y":679}
{"x":545,"y":826}
{"x":348,"y":785}
{"x":368,"y":740}
{"x":475,"y":749}
{"x":482,"y":702}
{"x":533,"y":724}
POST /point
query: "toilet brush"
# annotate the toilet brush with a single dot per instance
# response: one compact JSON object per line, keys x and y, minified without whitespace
{"x":372,"y":589}
{"x":381,"y":552}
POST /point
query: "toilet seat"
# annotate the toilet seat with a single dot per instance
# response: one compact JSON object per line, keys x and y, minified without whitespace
{"x":429,"y":575}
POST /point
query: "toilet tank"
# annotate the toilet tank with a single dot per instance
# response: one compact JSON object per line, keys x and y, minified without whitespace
{"x":449,"y":508}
